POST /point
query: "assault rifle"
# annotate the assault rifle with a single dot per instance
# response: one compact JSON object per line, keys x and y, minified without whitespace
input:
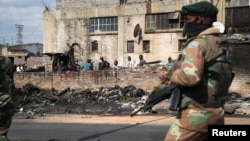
{"x":165,"y":93}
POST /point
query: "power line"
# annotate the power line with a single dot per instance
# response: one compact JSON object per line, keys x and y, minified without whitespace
{"x":36,"y":27}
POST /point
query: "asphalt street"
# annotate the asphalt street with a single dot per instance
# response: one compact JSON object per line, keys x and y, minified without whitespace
{"x":28,"y":131}
{"x":97,"y":127}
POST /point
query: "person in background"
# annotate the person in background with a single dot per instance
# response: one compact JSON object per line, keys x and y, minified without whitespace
{"x":142,"y":61}
{"x":92,"y":65}
{"x":87,"y":66}
{"x":204,"y":85}
{"x":116,"y":65}
{"x":78,"y":67}
{"x":130,"y":63}
{"x":103,"y":64}
{"x":69,"y":67}
{"x":7,"y":108}
{"x":61,"y":67}
{"x":170,"y":62}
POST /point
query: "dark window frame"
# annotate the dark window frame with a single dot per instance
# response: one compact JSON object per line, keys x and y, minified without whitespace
{"x":164,"y":21}
{"x":130,"y":46}
{"x":146,"y":46}
{"x":94,"y":46}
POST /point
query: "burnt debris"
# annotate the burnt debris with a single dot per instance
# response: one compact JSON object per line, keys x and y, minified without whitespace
{"x":31,"y":100}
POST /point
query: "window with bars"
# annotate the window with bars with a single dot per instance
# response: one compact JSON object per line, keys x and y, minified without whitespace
{"x":146,"y":46}
{"x":164,"y":21}
{"x":130,"y":46}
{"x":106,"y":24}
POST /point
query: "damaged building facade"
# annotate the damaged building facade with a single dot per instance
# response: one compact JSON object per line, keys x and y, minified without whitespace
{"x":116,"y":29}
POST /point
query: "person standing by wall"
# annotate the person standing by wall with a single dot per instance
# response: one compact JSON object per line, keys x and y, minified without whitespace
{"x":170,"y":62}
{"x":142,"y":61}
{"x":116,"y":65}
{"x":204,"y":86}
{"x":61,"y":67}
{"x":87,"y":66}
{"x":130,"y":63}
{"x":7,"y":108}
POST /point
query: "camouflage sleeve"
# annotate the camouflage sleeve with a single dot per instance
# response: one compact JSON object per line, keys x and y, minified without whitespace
{"x":192,"y":66}
{"x":6,"y":79}
{"x":9,"y":68}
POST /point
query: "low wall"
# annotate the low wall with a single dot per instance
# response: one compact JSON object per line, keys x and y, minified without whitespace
{"x":144,"y":77}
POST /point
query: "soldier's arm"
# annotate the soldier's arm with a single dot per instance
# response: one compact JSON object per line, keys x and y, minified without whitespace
{"x":192,"y":66}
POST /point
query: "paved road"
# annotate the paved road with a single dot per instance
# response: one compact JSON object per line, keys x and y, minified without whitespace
{"x":147,"y":130}
{"x":96,"y":128}
{"x":86,"y":132}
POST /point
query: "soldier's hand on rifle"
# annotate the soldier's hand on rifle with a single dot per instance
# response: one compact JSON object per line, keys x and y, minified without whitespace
{"x":164,"y":80}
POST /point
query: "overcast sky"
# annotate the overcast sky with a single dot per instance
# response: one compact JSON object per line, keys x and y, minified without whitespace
{"x":23,"y":13}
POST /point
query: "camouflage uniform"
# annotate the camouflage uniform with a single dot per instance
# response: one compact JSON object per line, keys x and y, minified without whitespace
{"x":205,"y":88}
{"x":6,"y":105}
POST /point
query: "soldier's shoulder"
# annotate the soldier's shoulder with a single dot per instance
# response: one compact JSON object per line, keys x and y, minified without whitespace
{"x":5,"y":61}
{"x":195,"y":43}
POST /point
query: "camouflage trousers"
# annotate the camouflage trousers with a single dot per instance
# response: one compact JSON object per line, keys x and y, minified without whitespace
{"x":193,"y":123}
{"x":6,"y":113}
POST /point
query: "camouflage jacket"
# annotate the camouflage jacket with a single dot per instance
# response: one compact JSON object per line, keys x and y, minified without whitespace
{"x":204,"y":85}
{"x":6,"y":80}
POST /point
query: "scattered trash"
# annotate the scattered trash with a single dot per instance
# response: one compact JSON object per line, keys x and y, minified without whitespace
{"x":31,"y":100}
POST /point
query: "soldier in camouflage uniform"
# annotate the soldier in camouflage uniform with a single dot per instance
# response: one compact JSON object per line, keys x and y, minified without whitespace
{"x":6,"y":104}
{"x":204,"y":86}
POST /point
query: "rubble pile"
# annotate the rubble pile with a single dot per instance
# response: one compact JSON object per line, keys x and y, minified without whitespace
{"x":31,"y":100}
{"x":237,"y":105}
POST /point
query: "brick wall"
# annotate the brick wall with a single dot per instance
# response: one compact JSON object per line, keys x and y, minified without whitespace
{"x":144,"y":78}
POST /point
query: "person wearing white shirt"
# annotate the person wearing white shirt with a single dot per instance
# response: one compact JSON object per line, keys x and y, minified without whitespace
{"x":130,"y":63}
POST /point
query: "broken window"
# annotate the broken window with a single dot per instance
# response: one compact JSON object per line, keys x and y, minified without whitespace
{"x":163,"y":21}
{"x":130,"y":46}
{"x":106,"y":24}
{"x":94,"y":46}
{"x":146,"y":47}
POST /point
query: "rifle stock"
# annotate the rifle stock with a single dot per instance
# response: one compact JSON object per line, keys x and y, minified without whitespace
{"x":159,"y":96}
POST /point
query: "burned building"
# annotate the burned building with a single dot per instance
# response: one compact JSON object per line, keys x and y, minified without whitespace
{"x":116,"y":29}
